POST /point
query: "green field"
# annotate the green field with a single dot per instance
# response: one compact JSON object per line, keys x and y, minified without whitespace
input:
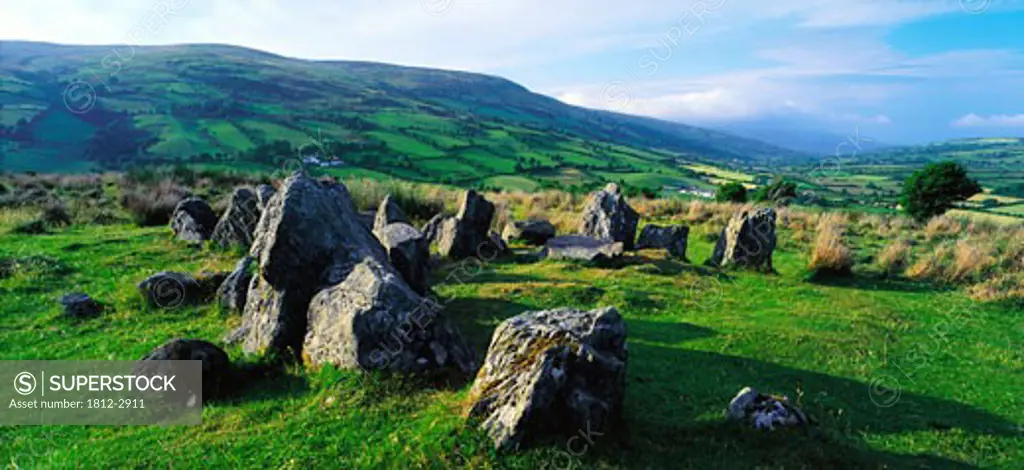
{"x":897,"y":374}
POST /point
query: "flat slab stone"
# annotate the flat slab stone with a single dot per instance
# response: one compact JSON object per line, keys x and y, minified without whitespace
{"x":582,"y":248}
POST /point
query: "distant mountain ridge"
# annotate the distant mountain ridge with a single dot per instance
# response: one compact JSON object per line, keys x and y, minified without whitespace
{"x":94,"y":107}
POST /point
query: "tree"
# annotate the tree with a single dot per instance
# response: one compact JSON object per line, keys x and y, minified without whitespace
{"x":781,"y":192}
{"x":932,"y":190}
{"x":731,"y":192}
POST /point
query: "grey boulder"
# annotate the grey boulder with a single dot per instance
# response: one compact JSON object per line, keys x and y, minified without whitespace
{"x":193,"y":220}
{"x":79,"y":305}
{"x":309,"y":237}
{"x":431,"y":228}
{"x":171,"y":290}
{"x":263,"y":194}
{"x":748,"y":241}
{"x":409,"y":253}
{"x":672,"y":239}
{"x":608,"y":216}
{"x":557,"y":371}
{"x":236,"y":226}
{"x":216,"y":365}
{"x":468,"y":233}
{"x":373,"y":320}
{"x":581,"y":248}
{"x":533,"y":232}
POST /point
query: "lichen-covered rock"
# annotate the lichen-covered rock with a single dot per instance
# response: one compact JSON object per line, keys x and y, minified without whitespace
{"x":388,"y":213}
{"x":309,"y":237}
{"x":551,"y":372}
{"x":748,"y":241}
{"x":765,"y":412}
{"x":79,"y":305}
{"x":409,"y":253}
{"x":193,"y":220}
{"x":233,"y":291}
{"x":468,"y":233}
{"x":672,"y":239}
{"x":533,"y":232}
{"x":581,"y":248}
{"x":239,"y":221}
{"x":216,"y":365}
{"x":373,"y":320}
{"x":609,"y":217}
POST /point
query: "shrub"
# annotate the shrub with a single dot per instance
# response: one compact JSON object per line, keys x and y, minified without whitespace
{"x":56,"y":215}
{"x":779,"y":192}
{"x":933,"y":190}
{"x":731,"y":192}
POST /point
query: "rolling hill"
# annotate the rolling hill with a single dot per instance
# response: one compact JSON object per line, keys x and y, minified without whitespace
{"x":80,"y":108}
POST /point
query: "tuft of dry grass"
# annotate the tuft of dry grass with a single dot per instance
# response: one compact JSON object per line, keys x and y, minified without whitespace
{"x":153,"y":205}
{"x":830,"y":254}
{"x":894,"y":257}
{"x":1002,"y":287}
{"x":942,"y":227}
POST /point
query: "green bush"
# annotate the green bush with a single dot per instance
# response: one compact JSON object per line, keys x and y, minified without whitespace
{"x":780,"y":192}
{"x":731,"y":192}
{"x":932,"y":190}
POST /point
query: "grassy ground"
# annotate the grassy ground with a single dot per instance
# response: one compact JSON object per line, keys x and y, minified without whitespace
{"x":897,"y":374}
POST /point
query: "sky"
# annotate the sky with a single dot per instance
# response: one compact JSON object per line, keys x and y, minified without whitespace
{"x":900,"y":71}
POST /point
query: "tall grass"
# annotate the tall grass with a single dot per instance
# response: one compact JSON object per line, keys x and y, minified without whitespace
{"x":830,"y":255}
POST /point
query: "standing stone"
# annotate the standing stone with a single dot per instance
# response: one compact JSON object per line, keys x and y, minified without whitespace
{"x":672,"y":239}
{"x":373,"y":320}
{"x":556,"y":371}
{"x":388,"y":213}
{"x":533,"y":232}
{"x":748,"y":241}
{"x":433,"y":226}
{"x":263,"y":194}
{"x":233,"y":291}
{"x":79,"y":305}
{"x":237,"y":224}
{"x":193,"y":220}
{"x":409,"y":253}
{"x":309,"y":237}
{"x":609,"y":217}
{"x":468,"y":233}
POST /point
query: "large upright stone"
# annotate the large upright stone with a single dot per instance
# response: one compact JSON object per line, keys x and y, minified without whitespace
{"x":468,"y":233}
{"x":409,"y":253}
{"x":263,"y":194}
{"x":609,"y":217}
{"x":238,"y":223}
{"x":193,"y":220}
{"x":373,"y":320}
{"x":748,"y":241}
{"x":672,"y":239}
{"x":433,"y":226}
{"x":388,"y":213}
{"x":556,"y":371}
{"x":308,"y":235}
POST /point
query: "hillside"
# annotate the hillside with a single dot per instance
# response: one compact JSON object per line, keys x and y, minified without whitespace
{"x":77,"y":108}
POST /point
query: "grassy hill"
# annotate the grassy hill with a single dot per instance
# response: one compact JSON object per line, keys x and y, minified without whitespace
{"x":77,"y":108}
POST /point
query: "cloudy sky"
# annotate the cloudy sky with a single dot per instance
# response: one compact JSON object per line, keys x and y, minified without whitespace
{"x":900,"y":70}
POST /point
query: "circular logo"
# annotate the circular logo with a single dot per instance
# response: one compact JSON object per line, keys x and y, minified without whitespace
{"x":25,"y":383}
{"x":707,"y":292}
{"x":79,"y":97}
{"x":168,"y":293}
{"x":437,"y":7}
{"x":975,"y":7}
{"x":617,"y":96}
{"x":884,"y":391}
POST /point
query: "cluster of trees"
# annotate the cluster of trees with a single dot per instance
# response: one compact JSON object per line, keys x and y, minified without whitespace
{"x":780,"y":191}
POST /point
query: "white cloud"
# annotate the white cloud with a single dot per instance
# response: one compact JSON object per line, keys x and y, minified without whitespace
{"x":997,"y":120}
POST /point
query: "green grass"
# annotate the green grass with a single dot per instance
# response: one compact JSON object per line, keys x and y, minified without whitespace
{"x":696,"y":337}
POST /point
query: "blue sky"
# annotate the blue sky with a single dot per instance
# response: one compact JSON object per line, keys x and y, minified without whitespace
{"x":901,"y":71}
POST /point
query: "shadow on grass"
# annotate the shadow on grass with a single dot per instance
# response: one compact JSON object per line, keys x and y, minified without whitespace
{"x":875,"y":283}
{"x":676,"y":397}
